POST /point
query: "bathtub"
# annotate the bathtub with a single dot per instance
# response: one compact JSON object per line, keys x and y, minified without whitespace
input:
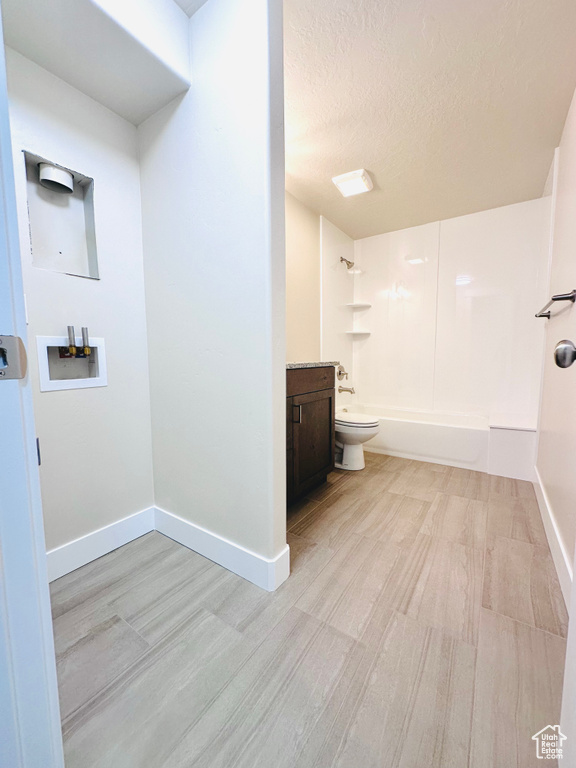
{"x":458,"y":440}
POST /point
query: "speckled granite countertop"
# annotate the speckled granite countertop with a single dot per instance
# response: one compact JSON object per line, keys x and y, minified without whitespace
{"x":311,"y":365}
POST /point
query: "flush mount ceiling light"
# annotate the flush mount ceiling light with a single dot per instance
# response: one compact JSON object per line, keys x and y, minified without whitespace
{"x":353,"y":183}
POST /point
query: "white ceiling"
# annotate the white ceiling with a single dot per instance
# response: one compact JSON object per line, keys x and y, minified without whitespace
{"x":452,"y":106}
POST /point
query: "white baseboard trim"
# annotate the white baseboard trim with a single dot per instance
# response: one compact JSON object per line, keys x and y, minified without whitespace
{"x":265,"y":573}
{"x":562,"y":561}
{"x":75,"y":554}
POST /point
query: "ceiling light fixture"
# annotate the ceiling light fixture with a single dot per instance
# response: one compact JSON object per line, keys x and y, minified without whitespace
{"x":353,"y":183}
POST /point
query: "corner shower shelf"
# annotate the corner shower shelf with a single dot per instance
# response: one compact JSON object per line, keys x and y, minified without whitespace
{"x":358,"y":305}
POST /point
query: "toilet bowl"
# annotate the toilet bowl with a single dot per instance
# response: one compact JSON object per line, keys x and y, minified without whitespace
{"x":352,"y":430}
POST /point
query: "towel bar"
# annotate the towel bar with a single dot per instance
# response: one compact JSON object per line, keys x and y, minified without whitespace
{"x":559,"y":297}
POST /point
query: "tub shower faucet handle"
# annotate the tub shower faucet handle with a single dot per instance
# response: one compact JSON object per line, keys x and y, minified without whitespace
{"x":341,"y":373}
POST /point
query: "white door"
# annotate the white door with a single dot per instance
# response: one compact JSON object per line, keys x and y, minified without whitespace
{"x":30,"y":735}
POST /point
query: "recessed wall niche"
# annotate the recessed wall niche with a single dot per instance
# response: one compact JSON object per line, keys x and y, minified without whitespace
{"x":62,"y":233}
{"x":57,"y":370}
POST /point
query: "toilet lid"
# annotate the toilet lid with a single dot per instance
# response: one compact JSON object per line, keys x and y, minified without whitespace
{"x":356,"y":419}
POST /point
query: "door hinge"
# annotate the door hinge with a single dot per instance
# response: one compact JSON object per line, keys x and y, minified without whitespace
{"x":13,"y":360}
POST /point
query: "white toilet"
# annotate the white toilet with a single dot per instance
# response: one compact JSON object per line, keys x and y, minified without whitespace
{"x":353,"y":429}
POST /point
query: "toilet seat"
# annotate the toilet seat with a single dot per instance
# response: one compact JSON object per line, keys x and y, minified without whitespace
{"x":357,"y":420}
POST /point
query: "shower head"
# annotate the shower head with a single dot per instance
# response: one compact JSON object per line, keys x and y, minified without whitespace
{"x":349,"y":264}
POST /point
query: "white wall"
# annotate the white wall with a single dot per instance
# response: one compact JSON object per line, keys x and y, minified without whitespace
{"x":302,"y":282}
{"x":337,"y":291}
{"x":130,"y":55}
{"x":96,"y":443}
{"x":213,"y":214}
{"x":557,"y":441}
{"x":456,"y":333}
{"x":161,"y":26}
{"x":557,"y":438}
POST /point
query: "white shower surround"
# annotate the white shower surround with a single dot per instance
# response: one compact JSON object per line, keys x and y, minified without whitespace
{"x":452,"y":363}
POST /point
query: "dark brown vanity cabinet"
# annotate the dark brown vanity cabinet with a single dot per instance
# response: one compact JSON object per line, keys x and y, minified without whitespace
{"x":309,"y":428}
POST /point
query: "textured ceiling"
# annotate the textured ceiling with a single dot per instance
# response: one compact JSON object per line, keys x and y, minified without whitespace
{"x":453,"y":107}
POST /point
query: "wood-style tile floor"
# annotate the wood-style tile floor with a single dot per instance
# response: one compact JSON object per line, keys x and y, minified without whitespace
{"x":422,"y":627}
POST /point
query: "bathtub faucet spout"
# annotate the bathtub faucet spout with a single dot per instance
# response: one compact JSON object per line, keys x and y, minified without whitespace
{"x":346,"y":389}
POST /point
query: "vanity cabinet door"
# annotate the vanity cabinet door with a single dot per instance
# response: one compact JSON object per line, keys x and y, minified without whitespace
{"x":312,"y":437}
